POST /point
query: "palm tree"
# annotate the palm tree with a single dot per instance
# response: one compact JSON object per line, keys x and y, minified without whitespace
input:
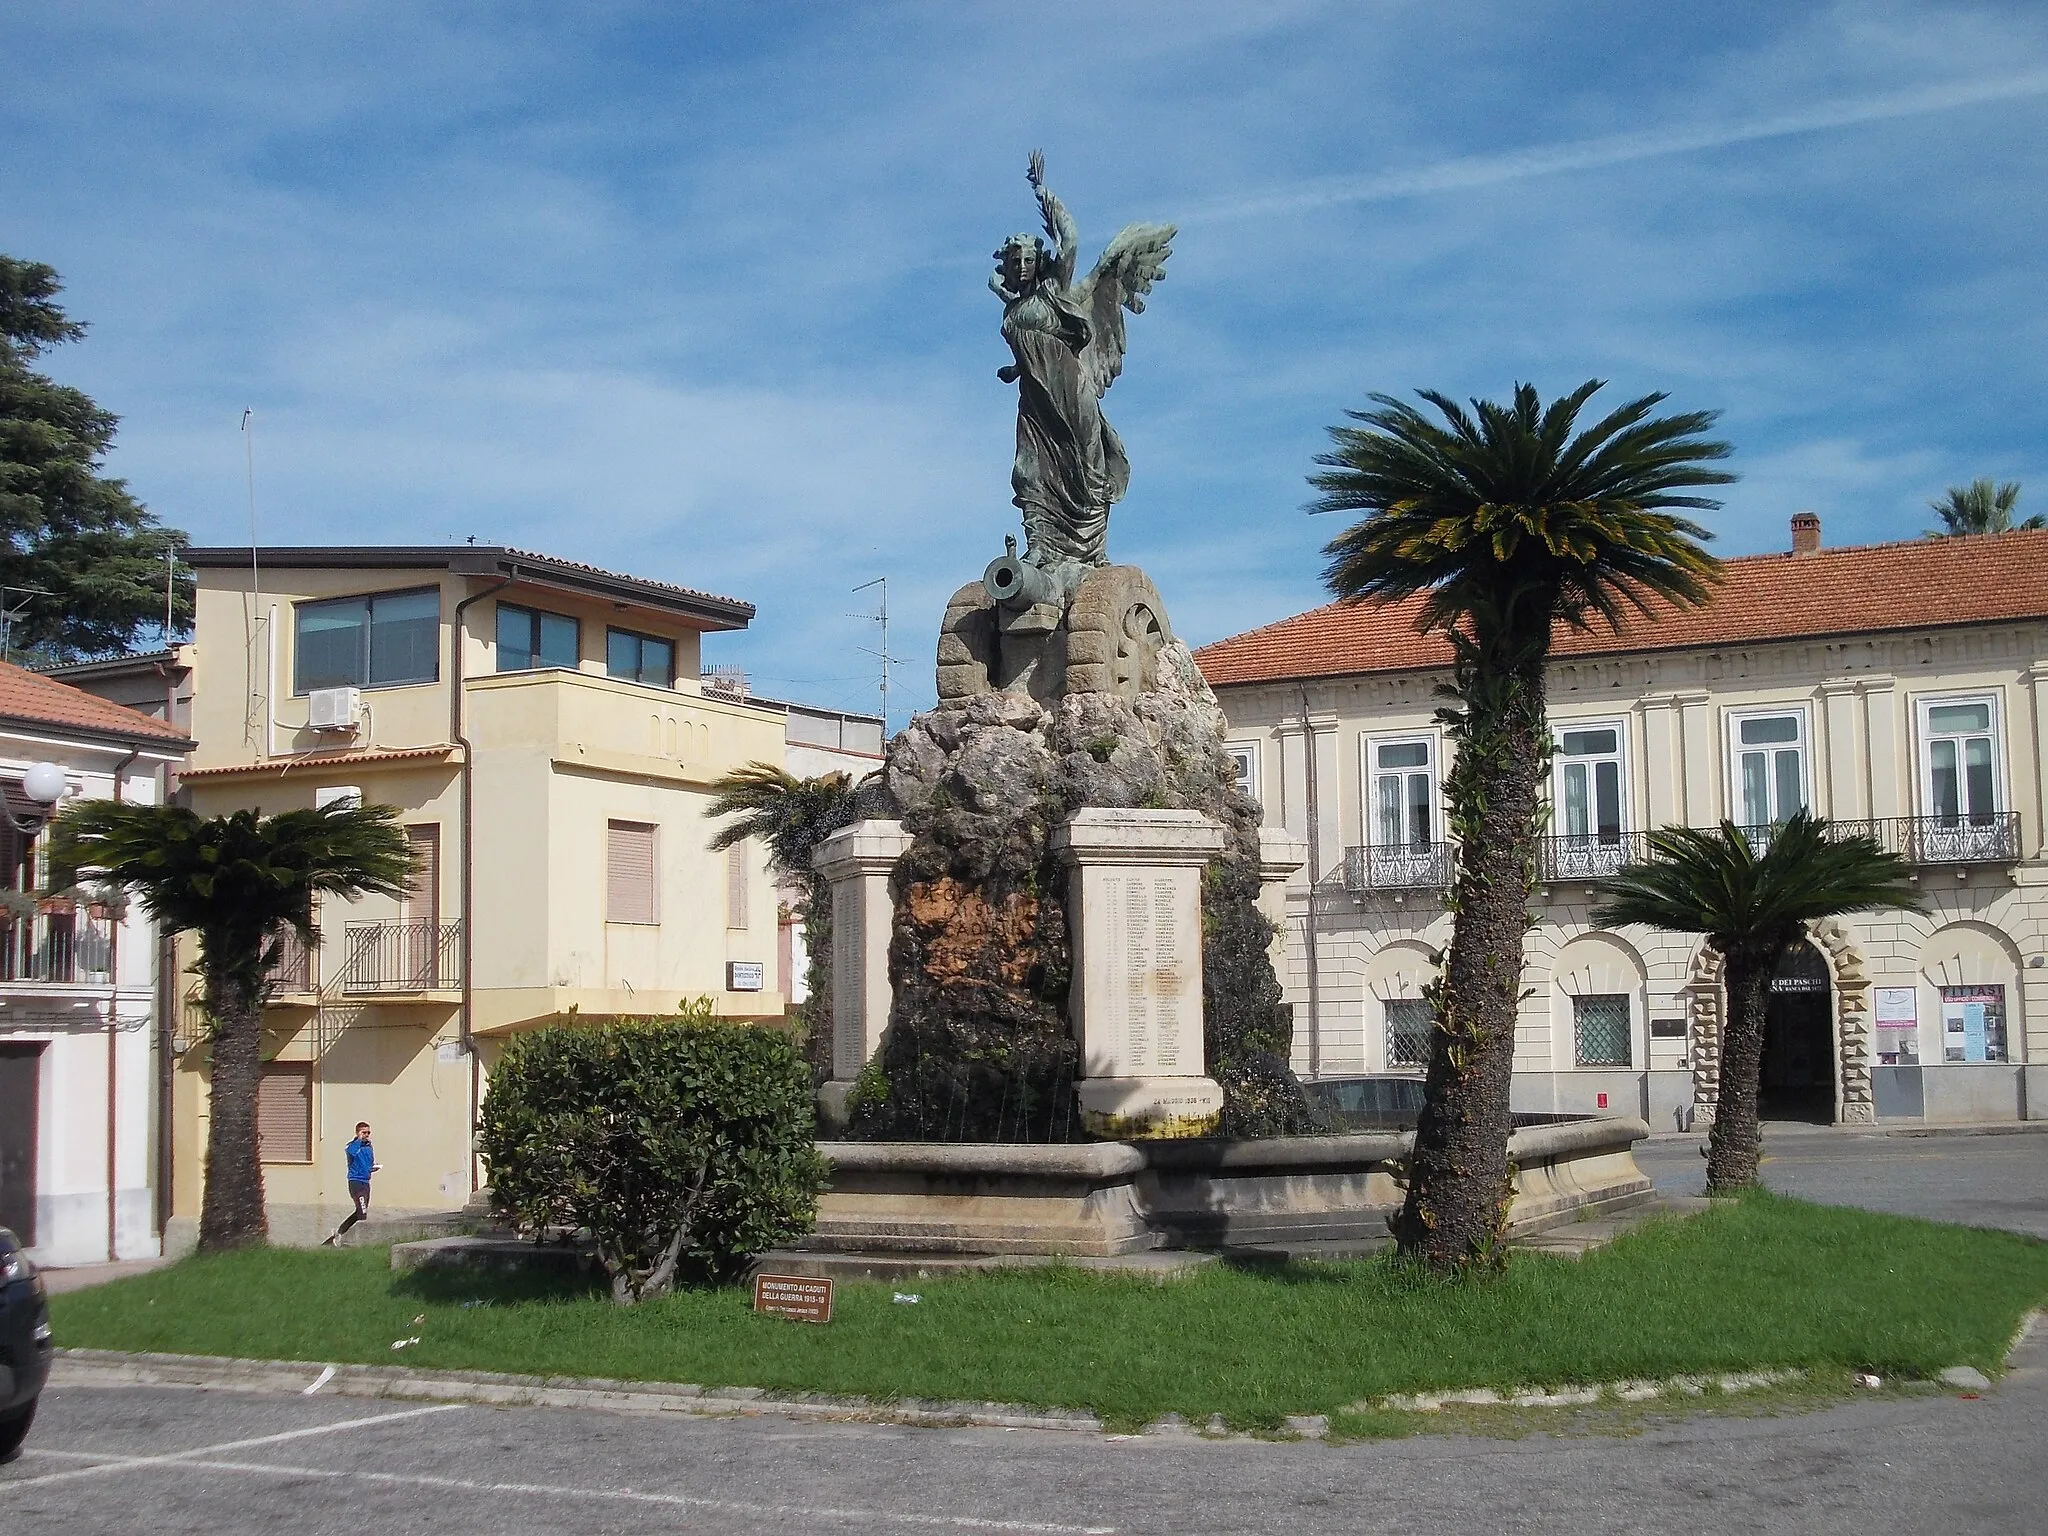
{"x":239,"y":881}
{"x":1509,"y":525}
{"x":1980,"y":507}
{"x":1753,"y":907}
{"x":792,"y":816}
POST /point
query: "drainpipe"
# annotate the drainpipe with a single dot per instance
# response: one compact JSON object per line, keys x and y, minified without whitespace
{"x":113,"y":1053}
{"x":468,"y":865}
{"x":1315,"y":830}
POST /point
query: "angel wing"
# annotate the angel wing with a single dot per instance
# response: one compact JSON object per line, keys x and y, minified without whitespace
{"x":1135,"y":260}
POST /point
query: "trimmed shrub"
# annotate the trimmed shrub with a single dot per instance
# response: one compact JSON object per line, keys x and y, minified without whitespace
{"x":681,"y":1146}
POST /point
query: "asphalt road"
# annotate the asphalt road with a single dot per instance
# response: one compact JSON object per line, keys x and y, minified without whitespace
{"x":1977,"y":1180}
{"x":177,"y":1459}
{"x":166,"y":1460}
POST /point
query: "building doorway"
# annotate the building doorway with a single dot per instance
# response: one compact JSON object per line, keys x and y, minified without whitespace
{"x":21,"y":1073}
{"x":1798,"y":1077}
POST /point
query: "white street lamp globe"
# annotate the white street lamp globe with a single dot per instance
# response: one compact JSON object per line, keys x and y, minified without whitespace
{"x":44,"y":783}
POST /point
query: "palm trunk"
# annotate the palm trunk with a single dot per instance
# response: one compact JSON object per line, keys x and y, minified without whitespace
{"x":231,"y":1213}
{"x":1734,"y":1145}
{"x":1459,"y":1187}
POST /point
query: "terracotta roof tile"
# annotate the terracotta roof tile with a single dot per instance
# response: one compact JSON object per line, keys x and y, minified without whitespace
{"x":1921,"y":584}
{"x":29,"y":696}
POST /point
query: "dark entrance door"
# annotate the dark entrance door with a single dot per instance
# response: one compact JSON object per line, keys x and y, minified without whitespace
{"x":1798,"y":1078}
{"x":20,"y":1071}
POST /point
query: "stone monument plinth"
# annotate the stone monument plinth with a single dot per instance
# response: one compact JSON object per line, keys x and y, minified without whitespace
{"x":1135,"y":895}
{"x":856,"y":862}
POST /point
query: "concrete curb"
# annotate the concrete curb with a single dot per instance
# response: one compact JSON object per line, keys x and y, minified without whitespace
{"x":495,"y":1389}
{"x":105,"y":1367}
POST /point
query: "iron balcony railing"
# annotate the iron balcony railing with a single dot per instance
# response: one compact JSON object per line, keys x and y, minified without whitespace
{"x":402,"y":957}
{"x":296,"y":970}
{"x":1593,"y":856}
{"x":60,"y":947}
{"x":1400,"y":867}
{"x":1993,"y":838}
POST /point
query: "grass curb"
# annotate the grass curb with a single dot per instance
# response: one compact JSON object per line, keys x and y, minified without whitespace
{"x":497,"y":1389}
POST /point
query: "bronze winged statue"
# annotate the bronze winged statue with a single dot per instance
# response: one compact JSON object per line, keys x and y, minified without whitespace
{"x":1068,"y":341}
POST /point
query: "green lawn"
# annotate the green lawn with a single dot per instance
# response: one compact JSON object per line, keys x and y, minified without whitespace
{"x":1759,"y":1282}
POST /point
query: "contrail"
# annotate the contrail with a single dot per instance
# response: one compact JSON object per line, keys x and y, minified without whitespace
{"x":1620,"y":149}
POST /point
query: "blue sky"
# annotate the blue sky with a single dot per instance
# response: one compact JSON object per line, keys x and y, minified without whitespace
{"x":697,"y":291}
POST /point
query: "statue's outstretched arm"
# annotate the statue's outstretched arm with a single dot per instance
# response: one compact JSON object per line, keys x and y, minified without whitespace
{"x":1059,"y":224}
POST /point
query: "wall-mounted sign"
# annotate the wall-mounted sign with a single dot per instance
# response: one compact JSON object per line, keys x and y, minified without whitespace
{"x":793,"y":1296}
{"x":1667,"y":1029}
{"x":1898,"y":1007}
{"x":745,"y":976}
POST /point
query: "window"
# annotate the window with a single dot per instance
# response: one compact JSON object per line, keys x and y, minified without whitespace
{"x":284,"y":1112}
{"x":629,"y":875}
{"x":1403,"y":794}
{"x":1600,"y":1029}
{"x":528,"y":638}
{"x":1959,"y":777}
{"x":1588,"y":783}
{"x":640,"y":658}
{"x":379,"y":641}
{"x":1973,"y":1023}
{"x":1409,"y":1022}
{"x":1770,"y":767}
{"x":1244,"y":769}
{"x":736,"y":885}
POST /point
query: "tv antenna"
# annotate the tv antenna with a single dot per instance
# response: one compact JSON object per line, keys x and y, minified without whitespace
{"x":9,"y":612}
{"x":883,"y":619}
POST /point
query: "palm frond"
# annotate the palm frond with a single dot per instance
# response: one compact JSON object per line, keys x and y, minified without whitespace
{"x":1717,"y":882}
{"x":788,"y":814}
{"x":1506,"y":499}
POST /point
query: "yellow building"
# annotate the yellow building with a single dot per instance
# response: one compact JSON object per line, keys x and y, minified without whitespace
{"x":541,"y":728}
{"x":1900,"y":690}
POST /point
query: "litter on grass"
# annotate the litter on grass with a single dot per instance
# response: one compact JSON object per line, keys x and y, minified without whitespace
{"x":905,"y":1299}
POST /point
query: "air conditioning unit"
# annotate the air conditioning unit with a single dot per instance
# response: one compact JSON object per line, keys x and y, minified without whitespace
{"x":333,"y":709}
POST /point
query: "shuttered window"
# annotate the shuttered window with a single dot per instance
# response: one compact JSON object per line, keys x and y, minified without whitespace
{"x":284,"y":1112}
{"x":736,"y":886}
{"x":629,"y":882}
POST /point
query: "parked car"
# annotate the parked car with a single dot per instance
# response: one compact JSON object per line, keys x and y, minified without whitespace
{"x":24,"y":1343}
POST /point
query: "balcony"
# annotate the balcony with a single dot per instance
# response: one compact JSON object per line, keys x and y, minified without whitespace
{"x":295,"y":972}
{"x":397,"y":958}
{"x":63,"y":947}
{"x":1991,"y":839}
{"x":1589,"y":857}
{"x":1401,"y":867}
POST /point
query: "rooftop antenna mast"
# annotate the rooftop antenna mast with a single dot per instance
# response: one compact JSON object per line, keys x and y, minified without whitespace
{"x":9,"y":612}
{"x":883,"y":583}
{"x":255,"y":621}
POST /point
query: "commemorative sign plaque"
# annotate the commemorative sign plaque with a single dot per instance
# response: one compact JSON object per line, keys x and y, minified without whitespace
{"x":798,"y":1297}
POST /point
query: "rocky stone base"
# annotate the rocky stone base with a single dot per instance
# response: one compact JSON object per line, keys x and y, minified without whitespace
{"x":979,"y":1045}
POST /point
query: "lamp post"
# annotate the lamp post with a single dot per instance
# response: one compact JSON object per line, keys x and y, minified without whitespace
{"x":44,"y":784}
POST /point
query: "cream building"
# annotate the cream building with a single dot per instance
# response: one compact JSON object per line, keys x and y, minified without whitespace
{"x":541,"y":727}
{"x":80,"y":1109}
{"x":1900,"y":690}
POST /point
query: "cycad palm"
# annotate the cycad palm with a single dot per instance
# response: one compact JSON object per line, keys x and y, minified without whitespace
{"x":791,"y":815}
{"x":1753,"y":907}
{"x":1510,"y":524}
{"x":1980,"y":507}
{"x":238,"y":881}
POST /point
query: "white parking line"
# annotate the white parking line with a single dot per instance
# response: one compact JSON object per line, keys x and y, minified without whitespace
{"x":565,"y":1491}
{"x":117,"y":1463}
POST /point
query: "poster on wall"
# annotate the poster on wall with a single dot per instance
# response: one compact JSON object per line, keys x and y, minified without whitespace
{"x":1973,"y":1024}
{"x":1898,"y":1026}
